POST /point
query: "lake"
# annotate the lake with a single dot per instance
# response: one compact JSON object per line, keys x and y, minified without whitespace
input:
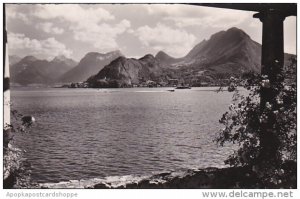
{"x":95,"y":133}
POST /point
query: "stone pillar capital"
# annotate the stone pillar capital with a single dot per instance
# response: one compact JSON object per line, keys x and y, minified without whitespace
{"x":271,"y":13}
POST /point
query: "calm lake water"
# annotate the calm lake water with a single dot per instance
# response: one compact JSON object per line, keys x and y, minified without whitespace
{"x":90,"y":133}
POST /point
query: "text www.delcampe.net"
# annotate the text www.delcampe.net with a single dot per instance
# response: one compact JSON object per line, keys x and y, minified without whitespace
{"x":247,"y":194}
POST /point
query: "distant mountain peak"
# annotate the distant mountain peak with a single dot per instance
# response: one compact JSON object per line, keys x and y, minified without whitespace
{"x":237,"y":32}
{"x":90,"y":64}
{"x":217,"y":34}
{"x":97,"y":54}
{"x":60,"y":58}
{"x":29,"y":58}
{"x":234,"y":29}
{"x":147,"y":56}
{"x":162,"y":55}
{"x":231,"y":33}
{"x":92,"y":54}
{"x":13,"y":59}
{"x":166,"y":60}
{"x":220,"y":43}
{"x":14,"y":56}
{"x":121,"y":59}
{"x":115,"y":52}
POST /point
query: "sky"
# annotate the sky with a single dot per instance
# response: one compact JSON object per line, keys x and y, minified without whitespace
{"x":73,"y":30}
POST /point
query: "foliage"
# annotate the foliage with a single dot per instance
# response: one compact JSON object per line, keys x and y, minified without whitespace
{"x":248,"y":116}
{"x":13,"y":162}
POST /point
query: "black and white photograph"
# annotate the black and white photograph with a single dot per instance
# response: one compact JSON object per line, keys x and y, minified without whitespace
{"x":150,"y":96}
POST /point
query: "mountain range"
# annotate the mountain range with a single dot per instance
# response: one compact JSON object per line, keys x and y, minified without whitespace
{"x":225,"y":53}
{"x":31,"y":70}
{"x":231,"y":51}
{"x":13,"y":59}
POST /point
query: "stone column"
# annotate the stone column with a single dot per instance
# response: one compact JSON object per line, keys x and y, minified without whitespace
{"x":272,"y":61}
{"x":272,"y":40}
{"x":6,"y":91}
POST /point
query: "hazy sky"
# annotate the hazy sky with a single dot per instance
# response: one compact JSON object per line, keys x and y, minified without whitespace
{"x":48,"y":30}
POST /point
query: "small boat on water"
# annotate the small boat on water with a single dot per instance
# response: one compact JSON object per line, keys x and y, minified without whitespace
{"x":183,"y":87}
{"x":172,"y":90}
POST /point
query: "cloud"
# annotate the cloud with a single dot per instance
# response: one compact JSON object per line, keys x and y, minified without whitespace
{"x":130,"y":31}
{"x":13,"y":13}
{"x":21,"y":45}
{"x":49,"y":28}
{"x":102,"y":36}
{"x":166,"y":10}
{"x":187,"y":15}
{"x":72,"y":12}
{"x":176,"y":42}
{"x":88,"y":24}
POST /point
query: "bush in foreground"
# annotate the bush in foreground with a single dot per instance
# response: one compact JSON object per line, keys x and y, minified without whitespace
{"x":265,"y":131}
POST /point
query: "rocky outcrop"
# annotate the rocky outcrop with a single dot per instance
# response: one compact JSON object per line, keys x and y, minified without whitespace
{"x":193,"y":179}
{"x":125,"y":72}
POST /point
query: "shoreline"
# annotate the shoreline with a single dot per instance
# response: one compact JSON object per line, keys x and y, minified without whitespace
{"x":207,"y":178}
